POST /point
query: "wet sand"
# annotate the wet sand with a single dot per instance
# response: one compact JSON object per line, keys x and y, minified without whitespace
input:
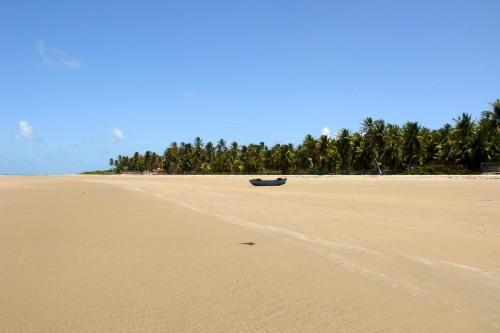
{"x":331,"y":254}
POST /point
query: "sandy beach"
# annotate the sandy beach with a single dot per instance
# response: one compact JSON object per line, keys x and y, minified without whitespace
{"x":331,"y":254}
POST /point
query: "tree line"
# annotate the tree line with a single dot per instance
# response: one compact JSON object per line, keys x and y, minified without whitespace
{"x":378,"y":147}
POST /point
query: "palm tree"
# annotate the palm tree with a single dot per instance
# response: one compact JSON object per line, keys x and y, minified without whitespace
{"x":462,"y":137}
{"x":209,"y":153}
{"x":310,"y":151}
{"x":411,"y":143}
{"x":148,"y":161}
{"x":344,"y":149}
{"x":186,"y":157}
{"x":373,"y":140}
{"x":493,"y":117}
{"x":289,"y":159}
{"x":171,"y":159}
{"x":489,"y":134}
{"x":198,"y":157}
{"x":220,"y":156}
{"x":237,"y":167}
{"x":392,"y":147}
{"x":429,"y":141}
{"x":444,"y":143}
{"x":233,"y":151}
{"x":252,"y":158}
{"x":332,"y":158}
{"x":283,"y":158}
{"x":322,"y":148}
{"x":137,"y":162}
{"x":366,"y":126}
{"x":358,"y":155}
{"x":206,"y":168}
{"x":376,"y":144}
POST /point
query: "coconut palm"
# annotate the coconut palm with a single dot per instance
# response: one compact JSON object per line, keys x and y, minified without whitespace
{"x":411,"y":143}
{"x":209,"y":153}
{"x":373,"y":141}
{"x":309,"y":150}
{"x":221,"y":157}
{"x":322,"y":149}
{"x":489,"y":134}
{"x":198,"y":156}
{"x":375,"y":145}
{"x":462,"y":137}
{"x":171,"y":159}
{"x":344,"y":149}
{"x":206,"y":168}
{"x":493,"y":117}
{"x":392,"y":147}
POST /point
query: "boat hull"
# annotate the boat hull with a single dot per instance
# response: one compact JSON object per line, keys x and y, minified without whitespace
{"x":273,"y":182}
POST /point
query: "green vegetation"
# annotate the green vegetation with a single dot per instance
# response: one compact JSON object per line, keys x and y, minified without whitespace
{"x":378,"y":147}
{"x":99,"y":172}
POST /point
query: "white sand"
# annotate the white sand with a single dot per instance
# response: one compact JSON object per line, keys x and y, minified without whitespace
{"x":332,"y":254}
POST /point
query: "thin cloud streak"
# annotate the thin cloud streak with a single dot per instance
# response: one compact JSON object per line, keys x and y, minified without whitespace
{"x":55,"y":57}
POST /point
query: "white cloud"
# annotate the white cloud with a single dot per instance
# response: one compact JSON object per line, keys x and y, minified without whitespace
{"x":25,"y":130}
{"x":326,"y":131}
{"x":118,"y":133}
{"x":55,"y":57}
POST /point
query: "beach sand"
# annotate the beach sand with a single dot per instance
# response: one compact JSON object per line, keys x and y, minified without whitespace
{"x":331,"y":254}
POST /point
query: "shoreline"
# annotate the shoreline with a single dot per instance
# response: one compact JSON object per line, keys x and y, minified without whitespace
{"x":465,"y":176}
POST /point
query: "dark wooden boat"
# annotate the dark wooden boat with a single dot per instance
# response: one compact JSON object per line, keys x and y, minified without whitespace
{"x":270,"y":182}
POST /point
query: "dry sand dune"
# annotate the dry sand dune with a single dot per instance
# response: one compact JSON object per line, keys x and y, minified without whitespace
{"x":332,"y":254}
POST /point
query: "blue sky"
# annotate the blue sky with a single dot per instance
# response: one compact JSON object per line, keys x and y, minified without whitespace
{"x":84,"y":81}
